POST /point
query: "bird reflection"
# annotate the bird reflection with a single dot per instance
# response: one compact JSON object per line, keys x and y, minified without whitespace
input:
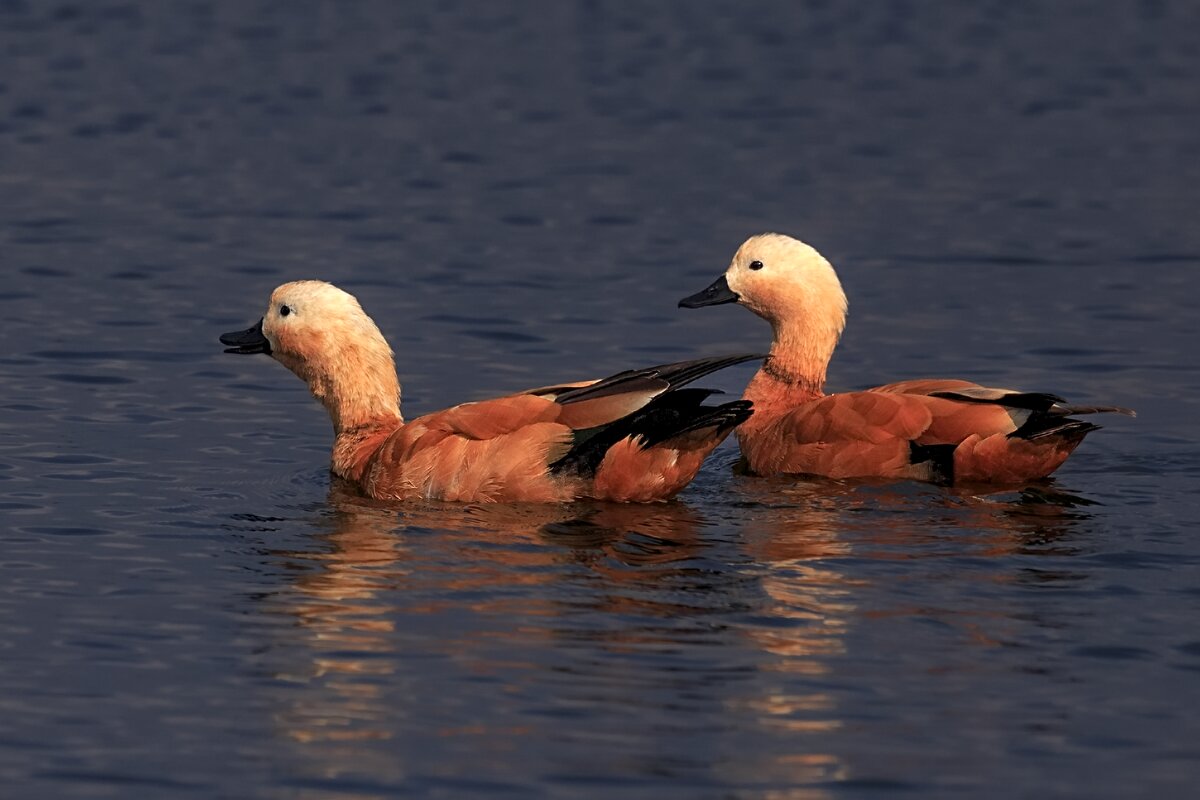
{"x":380,"y":564}
{"x":805,"y":537}
{"x":564,"y":596}
{"x":802,"y":528}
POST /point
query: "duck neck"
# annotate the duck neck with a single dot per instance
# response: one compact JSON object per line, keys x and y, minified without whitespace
{"x":357,"y":386}
{"x":362,"y":403}
{"x":794,"y":372}
{"x":363,"y":400}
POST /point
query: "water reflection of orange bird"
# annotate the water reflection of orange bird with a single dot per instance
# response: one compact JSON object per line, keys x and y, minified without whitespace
{"x":823,"y":518}
{"x":534,"y":576}
{"x":799,"y":526}
{"x":381,"y":563}
{"x":804,"y":537}
{"x":351,"y":594}
{"x":792,"y":532}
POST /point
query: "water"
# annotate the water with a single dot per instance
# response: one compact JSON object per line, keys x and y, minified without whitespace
{"x":189,"y":606}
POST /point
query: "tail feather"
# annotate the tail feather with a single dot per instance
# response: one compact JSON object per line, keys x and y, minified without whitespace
{"x":1044,"y":426}
{"x":666,"y":377}
{"x":1042,"y":402}
{"x":1050,"y":415}
{"x":722,"y":418}
{"x":666,"y":417}
{"x":1035,"y":401}
{"x":1069,"y":429}
{"x":1063,"y":410}
{"x":669,"y":411}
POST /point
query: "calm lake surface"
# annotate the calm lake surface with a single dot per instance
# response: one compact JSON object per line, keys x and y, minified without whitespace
{"x":190,"y":607}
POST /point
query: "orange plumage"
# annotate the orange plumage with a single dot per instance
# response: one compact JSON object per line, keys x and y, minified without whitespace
{"x":928,"y":429}
{"x":637,"y":436}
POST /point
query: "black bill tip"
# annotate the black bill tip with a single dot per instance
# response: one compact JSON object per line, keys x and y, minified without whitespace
{"x":716,"y":294}
{"x":247,"y":342}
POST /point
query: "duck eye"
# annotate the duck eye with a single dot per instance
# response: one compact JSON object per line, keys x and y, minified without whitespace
{"x":756,"y":265}
{"x":284,"y":311}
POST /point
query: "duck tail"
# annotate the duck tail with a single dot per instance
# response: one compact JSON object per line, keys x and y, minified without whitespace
{"x":668,"y":418}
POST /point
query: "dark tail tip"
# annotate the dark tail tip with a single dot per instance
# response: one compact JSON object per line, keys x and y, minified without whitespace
{"x":723,"y":418}
{"x":733,"y":414}
{"x":1070,"y":429}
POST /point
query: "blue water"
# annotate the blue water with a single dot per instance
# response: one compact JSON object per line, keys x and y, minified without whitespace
{"x":189,"y":606}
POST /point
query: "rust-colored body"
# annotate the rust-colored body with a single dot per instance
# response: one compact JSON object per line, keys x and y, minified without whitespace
{"x":630,"y":438}
{"x":927,"y":429}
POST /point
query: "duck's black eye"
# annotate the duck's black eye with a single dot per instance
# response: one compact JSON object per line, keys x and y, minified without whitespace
{"x":756,"y":265}
{"x":284,"y":311}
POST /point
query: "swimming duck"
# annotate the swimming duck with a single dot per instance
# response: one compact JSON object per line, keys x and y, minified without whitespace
{"x":927,"y":429}
{"x":636,"y":436}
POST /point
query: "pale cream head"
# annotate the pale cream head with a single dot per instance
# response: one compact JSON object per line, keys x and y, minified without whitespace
{"x":787,"y":282}
{"x":790,"y":285}
{"x":322,"y":334}
{"x":308,"y":318}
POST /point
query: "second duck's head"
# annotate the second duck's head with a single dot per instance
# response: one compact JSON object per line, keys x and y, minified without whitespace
{"x":783,"y":280}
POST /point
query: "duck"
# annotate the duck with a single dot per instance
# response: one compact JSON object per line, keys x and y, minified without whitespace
{"x":947,"y":431}
{"x":636,"y":436}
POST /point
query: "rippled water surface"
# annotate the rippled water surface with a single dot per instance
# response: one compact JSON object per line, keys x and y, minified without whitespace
{"x":190,"y":607}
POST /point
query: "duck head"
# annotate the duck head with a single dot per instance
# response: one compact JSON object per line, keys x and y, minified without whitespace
{"x":792,"y":286}
{"x":782,"y":280}
{"x":322,"y":334}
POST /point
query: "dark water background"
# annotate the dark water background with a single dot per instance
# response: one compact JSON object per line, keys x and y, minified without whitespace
{"x":188,"y":608}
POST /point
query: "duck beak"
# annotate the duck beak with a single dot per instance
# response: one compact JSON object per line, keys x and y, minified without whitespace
{"x":714,"y":295}
{"x":248,"y":341}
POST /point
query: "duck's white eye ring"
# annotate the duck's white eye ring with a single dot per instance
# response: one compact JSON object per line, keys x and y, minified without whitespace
{"x":756,"y":265}
{"x":284,"y":311}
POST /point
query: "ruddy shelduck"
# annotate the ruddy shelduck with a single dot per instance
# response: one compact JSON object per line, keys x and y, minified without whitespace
{"x":929,"y":429}
{"x":636,"y":436}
